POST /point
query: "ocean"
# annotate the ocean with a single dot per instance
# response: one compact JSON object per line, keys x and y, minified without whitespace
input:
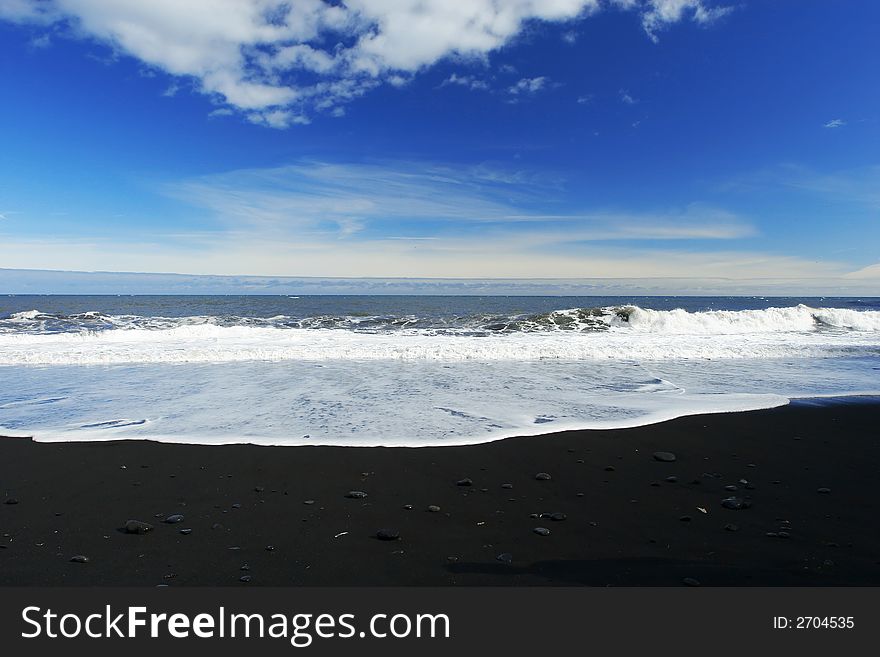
{"x":414,"y":370}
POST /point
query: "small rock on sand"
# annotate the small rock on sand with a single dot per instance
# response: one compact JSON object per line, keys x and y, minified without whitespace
{"x":543,"y":476}
{"x":79,"y":558}
{"x":505,"y":557}
{"x":388,"y":534}
{"x":356,"y":494}
{"x":666,"y":457}
{"x":823,"y":490}
{"x":690,"y":581}
{"x":541,"y":531}
{"x":137,"y":527}
{"x":735,"y":503}
{"x":467,"y":481}
{"x":433,"y":508}
{"x":174,"y":519}
{"x":508,"y":486}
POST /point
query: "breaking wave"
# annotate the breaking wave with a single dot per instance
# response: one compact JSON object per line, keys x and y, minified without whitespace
{"x":607,"y":333}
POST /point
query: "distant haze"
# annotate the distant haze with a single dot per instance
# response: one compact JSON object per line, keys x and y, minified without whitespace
{"x":34,"y":281}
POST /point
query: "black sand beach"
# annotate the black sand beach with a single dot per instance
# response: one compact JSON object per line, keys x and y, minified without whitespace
{"x":805,"y":475}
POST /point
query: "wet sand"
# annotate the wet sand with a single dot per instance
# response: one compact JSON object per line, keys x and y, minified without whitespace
{"x":806,"y":477}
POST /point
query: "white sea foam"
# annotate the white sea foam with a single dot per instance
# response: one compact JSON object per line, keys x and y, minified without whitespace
{"x":725,"y":322}
{"x":25,"y":315}
{"x":632,"y":333}
{"x":200,"y":380}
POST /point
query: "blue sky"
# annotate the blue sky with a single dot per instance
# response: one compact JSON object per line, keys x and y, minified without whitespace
{"x":404,"y":138}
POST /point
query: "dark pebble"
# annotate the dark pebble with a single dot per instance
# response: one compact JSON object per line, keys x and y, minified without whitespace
{"x":244,"y":578}
{"x":387,"y":534}
{"x":186,"y":532}
{"x":672,"y":479}
{"x":542,"y":476}
{"x":11,"y":500}
{"x":735,"y":503}
{"x":730,"y":488}
{"x":505,"y":557}
{"x":730,"y":527}
{"x":309,"y":502}
{"x":685,"y":518}
{"x":467,"y":481}
{"x":558,"y":516}
{"x":137,"y":527}
{"x":270,"y":548}
{"x":356,"y":494}
{"x":433,"y":508}
{"x":823,"y":490}
{"x":541,"y":531}
{"x":173,"y":519}
{"x":259,"y":489}
{"x":79,"y":558}
{"x":690,"y":581}
{"x":408,"y":507}
{"x":609,"y":468}
{"x":665,"y":457}
{"x":508,"y":486}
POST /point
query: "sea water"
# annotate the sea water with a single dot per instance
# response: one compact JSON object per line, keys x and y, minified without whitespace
{"x":413,"y":371}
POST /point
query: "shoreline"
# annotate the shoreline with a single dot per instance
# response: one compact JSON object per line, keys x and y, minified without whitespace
{"x":624,"y":523}
{"x":643,"y":422}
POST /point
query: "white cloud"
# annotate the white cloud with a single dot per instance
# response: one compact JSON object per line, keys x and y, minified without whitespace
{"x":528,"y":85}
{"x":234,"y":254}
{"x":287,"y":60}
{"x":42,"y":41}
{"x":626,"y":98}
{"x":835,"y":123}
{"x":468,"y":81}
{"x":659,"y":14}
{"x":350,"y":207}
{"x":586,"y":99}
{"x":869,"y":272}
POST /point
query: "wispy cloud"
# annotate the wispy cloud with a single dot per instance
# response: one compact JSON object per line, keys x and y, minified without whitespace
{"x":835,"y":123}
{"x":278,"y":62}
{"x":442,"y":258}
{"x":467,"y":81}
{"x":526,"y":86}
{"x":626,"y":98}
{"x":332,"y":201}
{"x":854,"y":187}
{"x":659,"y":14}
